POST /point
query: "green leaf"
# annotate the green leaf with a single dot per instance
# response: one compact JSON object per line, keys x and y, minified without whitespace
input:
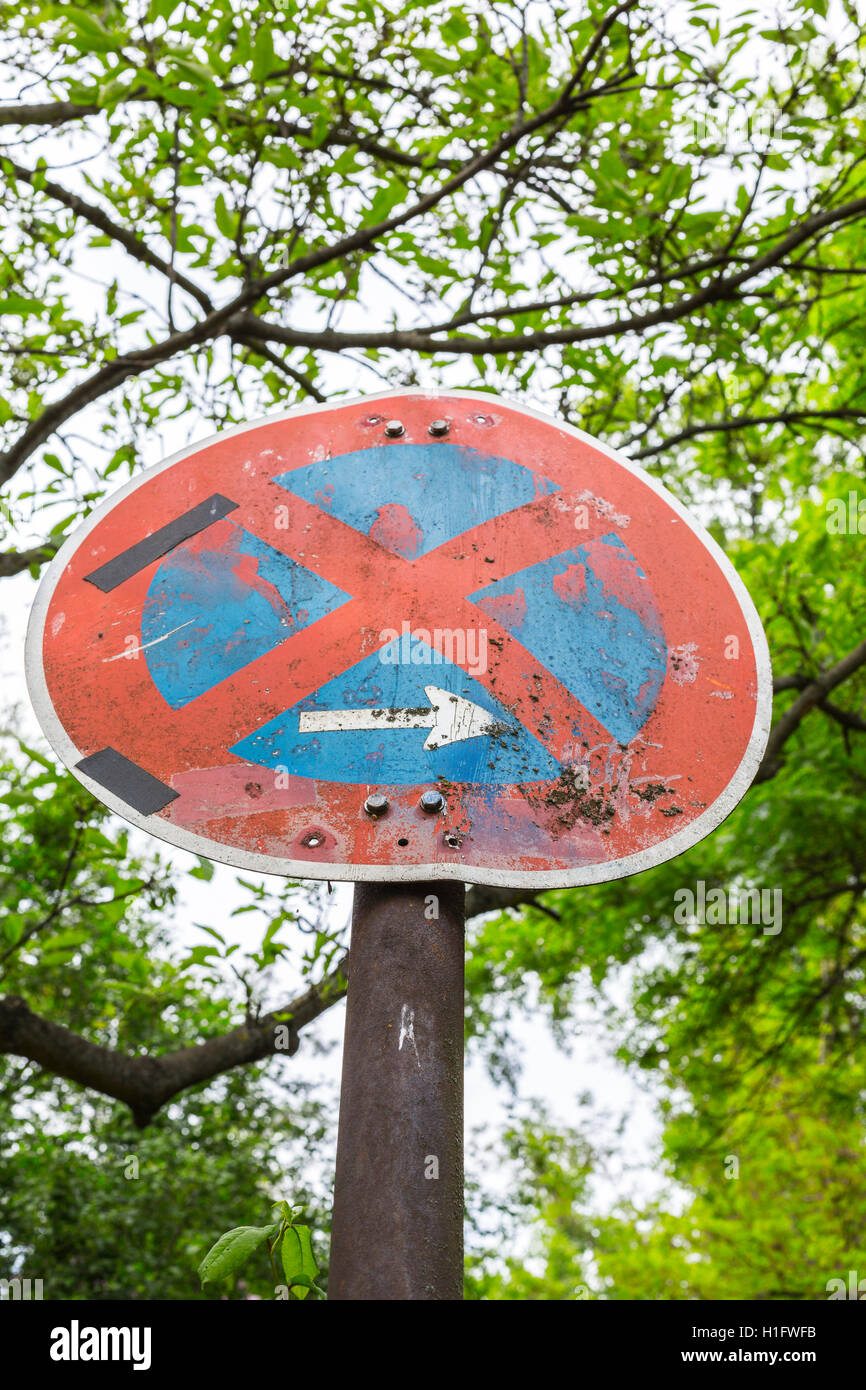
{"x":67,"y":940}
{"x":225,"y":220}
{"x":455,"y":28}
{"x":189,"y":68}
{"x":211,"y":932}
{"x":162,"y":9}
{"x":299,"y":1263}
{"x":13,"y":929}
{"x":231,"y":1251}
{"x":263,"y":57}
{"x":199,"y":955}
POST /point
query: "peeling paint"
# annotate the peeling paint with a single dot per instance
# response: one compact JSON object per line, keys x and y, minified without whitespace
{"x":683,"y":663}
{"x":407,"y":1031}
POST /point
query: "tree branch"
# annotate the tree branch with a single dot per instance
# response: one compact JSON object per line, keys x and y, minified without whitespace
{"x":46,"y":113}
{"x":216,"y":321}
{"x":569,"y":102}
{"x":258,"y":346}
{"x":744,"y":422}
{"x":14,"y":561}
{"x":105,"y":378}
{"x":99,"y":219}
{"x":814,"y":694}
{"x":147,"y":1083}
{"x":723,"y":288}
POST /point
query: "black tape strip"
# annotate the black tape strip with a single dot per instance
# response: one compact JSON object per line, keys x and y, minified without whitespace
{"x":130,"y":561}
{"x":127,"y":780}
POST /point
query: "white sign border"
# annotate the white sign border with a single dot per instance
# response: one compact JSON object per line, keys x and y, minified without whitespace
{"x":636,"y":863}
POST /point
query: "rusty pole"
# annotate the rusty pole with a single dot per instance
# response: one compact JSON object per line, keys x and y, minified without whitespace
{"x":398,"y":1196}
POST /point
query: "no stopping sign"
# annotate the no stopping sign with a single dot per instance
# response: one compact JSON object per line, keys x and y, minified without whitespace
{"x":410,"y":636}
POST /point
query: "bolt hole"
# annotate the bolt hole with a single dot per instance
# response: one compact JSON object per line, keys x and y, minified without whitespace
{"x":402,"y":841}
{"x":313,"y":840}
{"x":452,"y":840}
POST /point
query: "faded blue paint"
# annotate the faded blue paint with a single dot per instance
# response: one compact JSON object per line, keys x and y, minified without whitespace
{"x":414,"y":497}
{"x":231,"y":603}
{"x":396,"y":757}
{"x":606,"y":646}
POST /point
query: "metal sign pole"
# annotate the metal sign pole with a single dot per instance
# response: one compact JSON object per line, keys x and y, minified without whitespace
{"x":398,"y":1197}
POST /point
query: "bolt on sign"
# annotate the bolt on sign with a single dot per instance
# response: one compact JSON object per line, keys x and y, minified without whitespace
{"x":413,"y":636}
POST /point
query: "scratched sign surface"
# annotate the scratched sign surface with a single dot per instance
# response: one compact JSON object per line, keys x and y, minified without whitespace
{"x":404,"y":594}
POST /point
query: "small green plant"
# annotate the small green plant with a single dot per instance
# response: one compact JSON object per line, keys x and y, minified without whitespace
{"x":293,"y":1244}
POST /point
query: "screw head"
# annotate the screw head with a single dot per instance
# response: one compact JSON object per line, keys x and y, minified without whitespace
{"x":432,"y":801}
{"x":376,"y":804}
{"x":394,"y":428}
{"x":438,"y":427}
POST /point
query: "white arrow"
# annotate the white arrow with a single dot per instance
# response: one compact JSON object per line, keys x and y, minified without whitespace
{"x":450,"y":719}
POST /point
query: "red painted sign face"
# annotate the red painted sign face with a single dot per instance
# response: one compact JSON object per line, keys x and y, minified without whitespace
{"x":411,"y":636}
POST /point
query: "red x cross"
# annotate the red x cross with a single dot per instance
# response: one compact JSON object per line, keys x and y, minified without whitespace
{"x":429,"y":593}
{"x":102,"y":700}
{"x":387,"y":589}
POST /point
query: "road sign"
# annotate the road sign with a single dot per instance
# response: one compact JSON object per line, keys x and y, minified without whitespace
{"x":267,"y":649}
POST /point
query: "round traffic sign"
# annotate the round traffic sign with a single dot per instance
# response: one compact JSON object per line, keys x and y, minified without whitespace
{"x":413,"y":636}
